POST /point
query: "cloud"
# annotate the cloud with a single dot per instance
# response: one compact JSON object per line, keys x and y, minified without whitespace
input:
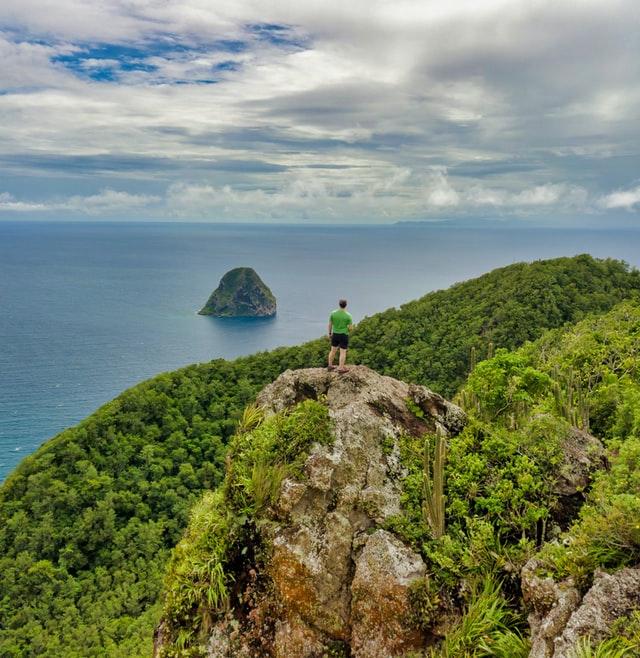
{"x":549,"y":194}
{"x":308,"y":197}
{"x":626,"y":199}
{"x":399,"y":109}
{"x":304,"y":195}
{"x":9,"y":204}
{"x":439,"y":192}
{"x":107,"y":202}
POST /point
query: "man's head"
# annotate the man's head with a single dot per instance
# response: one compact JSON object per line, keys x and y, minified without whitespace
{"x":343,"y":303}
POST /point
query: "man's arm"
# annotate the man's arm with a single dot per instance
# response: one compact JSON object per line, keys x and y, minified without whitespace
{"x":329,"y":328}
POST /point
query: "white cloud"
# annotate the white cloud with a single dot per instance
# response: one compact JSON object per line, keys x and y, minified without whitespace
{"x":390,"y":194}
{"x":308,"y":196}
{"x":439,"y":193}
{"x":549,"y":194}
{"x":106,"y":202}
{"x":9,"y":204}
{"x":626,"y":199}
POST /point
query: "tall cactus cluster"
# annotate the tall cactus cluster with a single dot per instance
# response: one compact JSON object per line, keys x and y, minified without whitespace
{"x":433,"y":498}
{"x":571,"y":399}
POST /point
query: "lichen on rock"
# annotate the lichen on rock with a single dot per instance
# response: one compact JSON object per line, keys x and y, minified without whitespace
{"x":550,"y":605}
{"x":335,"y":580}
{"x":322,"y":576}
{"x":611,"y":597}
{"x":380,"y":610}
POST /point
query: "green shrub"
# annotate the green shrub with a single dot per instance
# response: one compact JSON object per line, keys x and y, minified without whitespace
{"x":505,"y":477}
{"x":424,"y":600}
{"x":606,"y":535}
{"x":504,"y":388}
{"x":196,"y":582}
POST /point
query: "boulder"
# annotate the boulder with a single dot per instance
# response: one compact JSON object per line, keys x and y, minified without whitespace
{"x":335,"y":583}
{"x":550,"y":606}
{"x":611,"y":597}
{"x":582,"y":454}
{"x":559,"y":618}
{"x":380,"y":611}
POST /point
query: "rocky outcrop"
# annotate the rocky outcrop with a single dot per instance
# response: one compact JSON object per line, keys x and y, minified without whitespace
{"x":611,"y":597}
{"x":240,"y":293}
{"x":384,"y":569}
{"x":550,"y":604}
{"x":582,"y":454}
{"x":558,"y":618}
{"x":335,"y":583}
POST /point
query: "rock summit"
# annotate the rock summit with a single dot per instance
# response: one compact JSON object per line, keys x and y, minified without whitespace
{"x":336,"y":580}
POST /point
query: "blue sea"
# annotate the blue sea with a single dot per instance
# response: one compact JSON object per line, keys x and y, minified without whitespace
{"x":89,"y":309}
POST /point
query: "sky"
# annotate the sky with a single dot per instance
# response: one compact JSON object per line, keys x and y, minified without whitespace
{"x":365,"y":111}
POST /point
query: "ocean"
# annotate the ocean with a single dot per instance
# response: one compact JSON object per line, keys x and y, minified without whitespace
{"x":90,"y":309}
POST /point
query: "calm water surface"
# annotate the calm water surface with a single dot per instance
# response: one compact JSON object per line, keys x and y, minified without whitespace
{"x":88,"y":310}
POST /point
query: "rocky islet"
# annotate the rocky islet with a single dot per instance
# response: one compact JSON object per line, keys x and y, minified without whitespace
{"x":240,"y":293}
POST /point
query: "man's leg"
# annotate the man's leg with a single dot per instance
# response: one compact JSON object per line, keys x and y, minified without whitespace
{"x":332,"y":354}
{"x":343,"y":358}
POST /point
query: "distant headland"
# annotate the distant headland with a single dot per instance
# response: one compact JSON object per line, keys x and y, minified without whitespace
{"x":240,"y":293}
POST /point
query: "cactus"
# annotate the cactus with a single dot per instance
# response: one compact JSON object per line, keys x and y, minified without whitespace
{"x":571,"y":400}
{"x":433,"y":498}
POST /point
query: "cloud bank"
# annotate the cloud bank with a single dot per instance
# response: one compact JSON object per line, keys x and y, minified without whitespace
{"x":370,"y":111}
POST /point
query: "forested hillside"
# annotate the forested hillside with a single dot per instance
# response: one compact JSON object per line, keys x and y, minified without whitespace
{"x":88,"y":521}
{"x":544,"y":480}
{"x":430,"y":340}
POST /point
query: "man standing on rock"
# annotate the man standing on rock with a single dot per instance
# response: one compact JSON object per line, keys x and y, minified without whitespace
{"x":340,"y":324}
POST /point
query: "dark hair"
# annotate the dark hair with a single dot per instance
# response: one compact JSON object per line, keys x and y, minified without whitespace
{"x":343,"y":303}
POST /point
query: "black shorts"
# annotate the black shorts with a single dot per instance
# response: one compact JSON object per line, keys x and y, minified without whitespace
{"x":340,"y":340}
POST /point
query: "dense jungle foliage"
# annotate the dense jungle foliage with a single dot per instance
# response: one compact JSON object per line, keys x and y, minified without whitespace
{"x":87,"y":523}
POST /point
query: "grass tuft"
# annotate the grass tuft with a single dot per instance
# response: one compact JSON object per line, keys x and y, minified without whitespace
{"x":484,"y":629}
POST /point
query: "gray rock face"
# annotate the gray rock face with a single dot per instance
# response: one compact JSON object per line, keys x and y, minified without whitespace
{"x":611,"y":597}
{"x":551,"y":605}
{"x":240,"y":293}
{"x":558,"y":618}
{"x":384,"y":570}
{"x":582,"y":454}
{"x":336,"y":581}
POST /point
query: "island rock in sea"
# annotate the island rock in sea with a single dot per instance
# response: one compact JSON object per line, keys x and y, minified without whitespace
{"x":241,"y":293}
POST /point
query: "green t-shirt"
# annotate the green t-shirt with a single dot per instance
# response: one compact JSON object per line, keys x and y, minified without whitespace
{"x":340,"y":321}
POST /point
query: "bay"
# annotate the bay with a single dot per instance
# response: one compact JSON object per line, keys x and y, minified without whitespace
{"x":90,"y":309}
